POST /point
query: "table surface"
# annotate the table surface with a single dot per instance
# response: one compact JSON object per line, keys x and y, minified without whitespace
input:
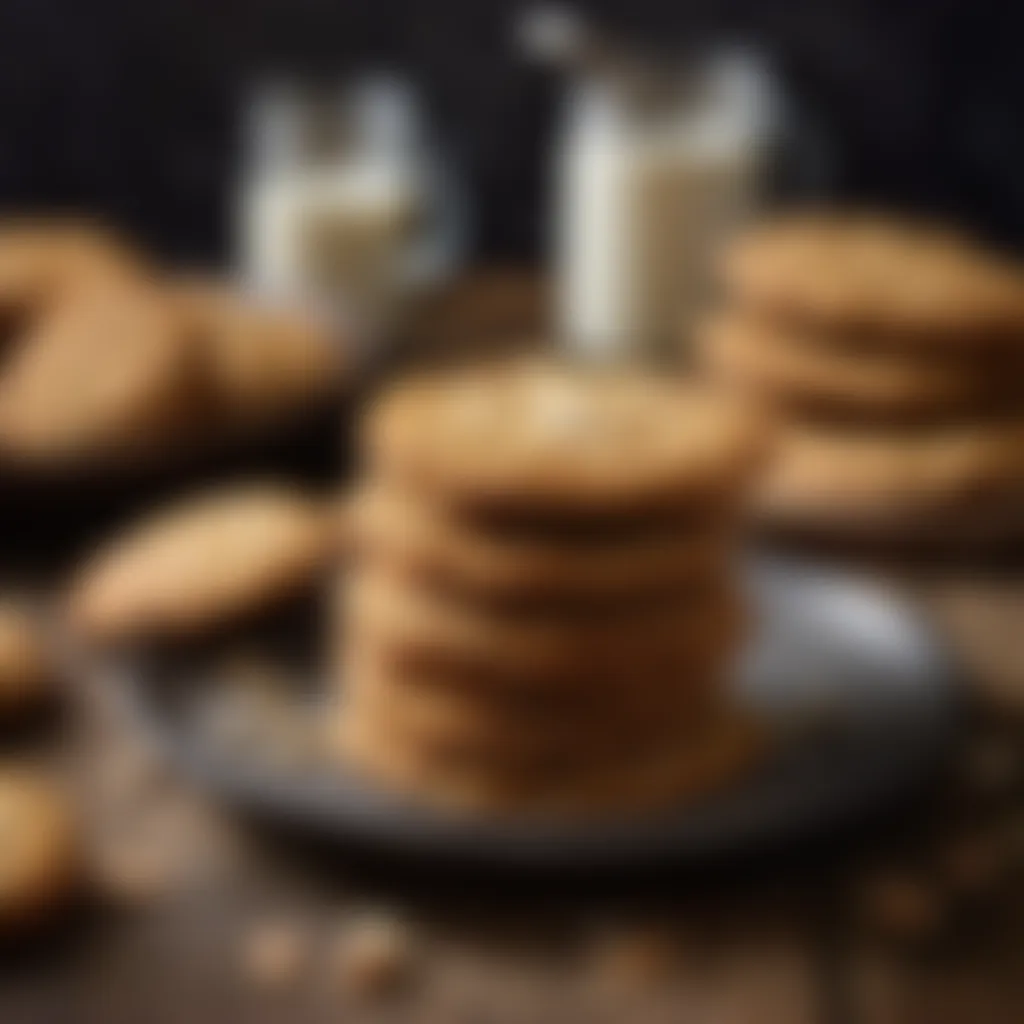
{"x":918,"y":918}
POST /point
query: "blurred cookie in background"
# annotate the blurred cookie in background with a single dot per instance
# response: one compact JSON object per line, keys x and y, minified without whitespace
{"x":104,"y":378}
{"x":26,"y":669}
{"x":262,"y":363}
{"x":205,"y":563}
{"x":40,"y":859}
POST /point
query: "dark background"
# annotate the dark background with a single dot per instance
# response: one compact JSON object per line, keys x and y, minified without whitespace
{"x":130,"y":108}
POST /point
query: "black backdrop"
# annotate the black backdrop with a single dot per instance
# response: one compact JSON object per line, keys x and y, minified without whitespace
{"x":130,"y":107}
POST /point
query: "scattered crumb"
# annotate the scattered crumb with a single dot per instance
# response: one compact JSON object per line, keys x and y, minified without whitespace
{"x":972,"y":865}
{"x":373,"y":956}
{"x":135,"y":874}
{"x":902,"y":906}
{"x":636,"y":957}
{"x":992,"y":766}
{"x":274,"y":953}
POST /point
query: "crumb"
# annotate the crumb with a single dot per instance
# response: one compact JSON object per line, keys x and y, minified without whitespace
{"x":972,"y":864}
{"x":637,"y":956}
{"x":373,"y":957}
{"x":902,"y":906}
{"x":133,"y":874}
{"x":273,"y":954}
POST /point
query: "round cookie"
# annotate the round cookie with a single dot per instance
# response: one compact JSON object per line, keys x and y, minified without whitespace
{"x":536,"y":437}
{"x":105,"y":377}
{"x":683,"y":769}
{"x":822,"y":376}
{"x":203,"y":564}
{"x":915,"y":283}
{"x":25,"y":669}
{"x":413,"y":626}
{"x":483,"y":725}
{"x":390,"y":528}
{"x":262,"y":362}
{"x":850,"y":475}
{"x":39,"y":857}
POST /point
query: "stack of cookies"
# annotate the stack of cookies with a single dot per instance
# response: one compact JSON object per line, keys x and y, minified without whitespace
{"x":892,"y":353}
{"x":541,"y":614}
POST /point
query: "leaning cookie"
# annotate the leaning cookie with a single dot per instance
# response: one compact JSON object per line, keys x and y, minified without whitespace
{"x":40,"y":865}
{"x":104,"y":379}
{"x":537,"y":438}
{"x":203,"y":564}
{"x":262,"y":363}
{"x":26,"y":672}
{"x":918,"y":284}
{"x":811,"y":372}
{"x":429,"y":540}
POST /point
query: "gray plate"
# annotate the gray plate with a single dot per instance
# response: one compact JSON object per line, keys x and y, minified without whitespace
{"x":854,"y":685}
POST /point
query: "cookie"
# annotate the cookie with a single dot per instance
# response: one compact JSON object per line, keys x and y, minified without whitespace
{"x":449,"y":720}
{"x":203,"y":564}
{"x":263,"y":363}
{"x":692,"y":765}
{"x":105,"y":378}
{"x":415,"y":626}
{"x":39,"y":856}
{"x":389,"y":527}
{"x":911,"y":474}
{"x":922,"y":284}
{"x":532,"y":436}
{"x":820,"y":376}
{"x":25,"y":668}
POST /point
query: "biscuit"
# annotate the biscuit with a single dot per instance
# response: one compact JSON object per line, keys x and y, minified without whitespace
{"x":531,"y":436}
{"x":104,"y":378}
{"x":392,"y":528}
{"x":25,"y":669}
{"x":203,"y":564}
{"x":262,"y":363}
{"x":820,"y":376}
{"x":539,"y":732}
{"x":916,"y":283}
{"x":911,"y":473}
{"x":691,"y":765}
{"x":414,"y":626}
{"x":39,"y":857}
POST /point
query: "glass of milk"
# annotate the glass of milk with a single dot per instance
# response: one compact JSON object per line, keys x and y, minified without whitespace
{"x":655,"y":167}
{"x":345,"y":203}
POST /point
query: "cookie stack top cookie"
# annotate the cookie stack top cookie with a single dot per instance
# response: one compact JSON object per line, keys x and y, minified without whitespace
{"x":542,"y":589}
{"x":892,"y":351}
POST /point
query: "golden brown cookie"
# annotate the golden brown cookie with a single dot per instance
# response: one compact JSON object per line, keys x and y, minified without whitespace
{"x":203,"y":564}
{"x":263,"y":363}
{"x":39,"y":856}
{"x":415,"y":626}
{"x":917,"y":283}
{"x":26,"y":672}
{"x":106,"y":377}
{"x":846,"y":474}
{"x":536,"y":437}
{"x":392,"y":528}
{"x":450,"y":720}
{"x":805,"y":372}
{"x":690,"y":766}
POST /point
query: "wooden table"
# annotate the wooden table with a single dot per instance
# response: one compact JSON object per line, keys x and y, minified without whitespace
{"x":918,"y":920}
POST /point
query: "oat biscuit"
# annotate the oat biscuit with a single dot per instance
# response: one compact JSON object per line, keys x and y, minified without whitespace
{"x":262,"y":362}
{"x":203,"y":564}
{"x":426,"y":539}
{"x":105,"y":377}
{"x":810,"y":373}
{"x":39,"y":858}
{"x":531,"y":436}
{"x":432,"y":629}
{"x":916,"y":283}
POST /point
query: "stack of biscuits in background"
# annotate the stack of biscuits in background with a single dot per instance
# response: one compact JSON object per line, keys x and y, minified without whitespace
{"x":106,"y":361}
{"x":541,"y":614}
{"x":893,"y":354}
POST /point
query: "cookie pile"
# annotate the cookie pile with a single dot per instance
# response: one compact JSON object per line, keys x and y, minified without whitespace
{"x":893,"y":353}
{"x":541,"y":613}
